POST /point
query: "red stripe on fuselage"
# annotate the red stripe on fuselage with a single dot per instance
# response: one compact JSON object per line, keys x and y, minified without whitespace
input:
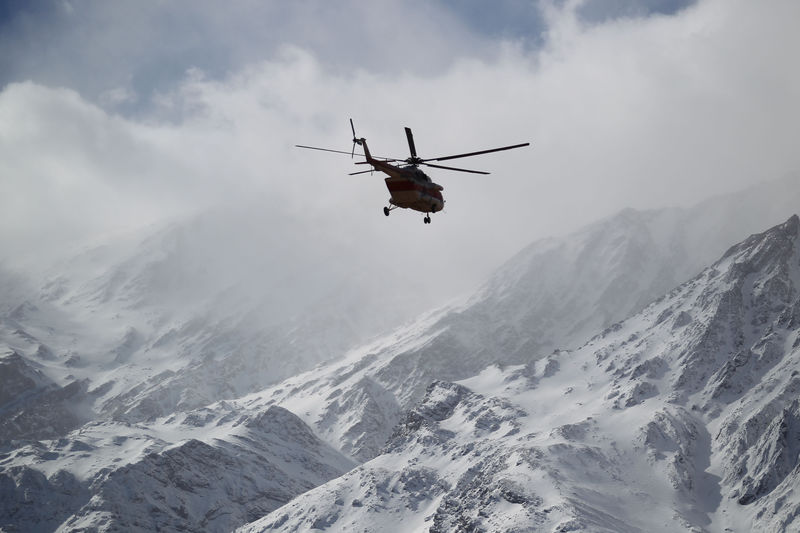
{"x":404,"y":185}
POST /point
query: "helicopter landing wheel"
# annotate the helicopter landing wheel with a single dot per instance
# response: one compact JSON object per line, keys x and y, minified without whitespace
{"x":427,"y":220}
{"x":386,"y":211}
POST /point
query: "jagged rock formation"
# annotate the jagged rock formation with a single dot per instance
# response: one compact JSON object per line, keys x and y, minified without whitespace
{"x":33,"y":407}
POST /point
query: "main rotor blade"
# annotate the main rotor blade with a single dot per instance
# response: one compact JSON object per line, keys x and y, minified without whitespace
{"x":384,"y":159}
{"x":477,"y":153}
{"x":379,"y":158}
{"x":362,"y":172}
{"x":454,"y":168}
{"x":411,"y":146}
{"x":323,"y":149}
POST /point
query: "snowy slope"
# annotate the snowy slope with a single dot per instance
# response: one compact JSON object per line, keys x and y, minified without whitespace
{"x":682,"y":417}
{"x":556,"y":293}
{"x":203,"y":471}
{"x":194,"y":313}
{"x":200,"y":311}
{"x":105,"y":363}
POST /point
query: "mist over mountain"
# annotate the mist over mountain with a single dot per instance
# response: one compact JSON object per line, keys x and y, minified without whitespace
{"x":197,"y":312}
{"x":148,"y":368}
{"x":555,"y":294}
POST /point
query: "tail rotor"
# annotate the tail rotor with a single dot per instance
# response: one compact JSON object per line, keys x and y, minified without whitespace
{"x":356,"y":140}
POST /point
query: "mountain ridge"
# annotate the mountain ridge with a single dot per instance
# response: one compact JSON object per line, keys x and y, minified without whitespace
{"x":633,"y":419}
{"x":495,"y":328}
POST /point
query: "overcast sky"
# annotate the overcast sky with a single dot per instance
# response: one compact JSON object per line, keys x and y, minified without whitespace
{"x":118,"y":115}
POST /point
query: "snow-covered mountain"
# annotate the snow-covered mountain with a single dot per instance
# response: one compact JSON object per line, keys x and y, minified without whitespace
{"x":558,"y":292}
{"x":211,"y":309}
{"x":195,"y":472}
{"x":682,"y":417}
{"x":554,"y":294}
{"x":149,"y":344}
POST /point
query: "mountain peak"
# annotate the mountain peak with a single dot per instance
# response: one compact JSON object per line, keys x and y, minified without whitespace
{"x":790,"y":228}
{"x":762,"y":244}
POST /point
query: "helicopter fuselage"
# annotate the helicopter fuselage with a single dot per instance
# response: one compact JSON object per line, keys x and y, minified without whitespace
{"x":411,"y":188}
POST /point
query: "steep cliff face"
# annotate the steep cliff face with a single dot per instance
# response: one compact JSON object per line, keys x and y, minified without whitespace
{"x":725,"y":348}
{"x":32,"y":406}
{"x":683,"y":416}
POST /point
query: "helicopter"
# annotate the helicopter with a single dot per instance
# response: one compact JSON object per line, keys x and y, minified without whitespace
{"x":409,"y":186}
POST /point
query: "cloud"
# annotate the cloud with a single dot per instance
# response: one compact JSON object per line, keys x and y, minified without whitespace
{"x":141,"y":49}
{"x":628,"y":111}
{"x":594,"y":11}
{"x":71,"y":171}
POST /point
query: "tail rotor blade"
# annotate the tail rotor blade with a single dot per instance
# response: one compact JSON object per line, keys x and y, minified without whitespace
{"x":355,"y":140}
{"x":353,"y":151}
